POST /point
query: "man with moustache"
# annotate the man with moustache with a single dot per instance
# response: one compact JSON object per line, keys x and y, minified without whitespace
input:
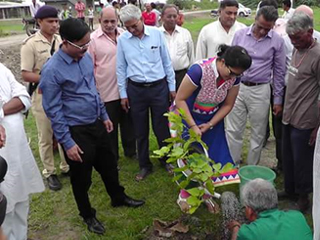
{"x":268,"y":65}
{"x":146,"y":81}
{"x":220,"y":31}
{"x":301,"y":111}
{"x":104,"y":61}
{"x":80,"y":121}
{"x":35,"y":51}
{"x":179,"y":42}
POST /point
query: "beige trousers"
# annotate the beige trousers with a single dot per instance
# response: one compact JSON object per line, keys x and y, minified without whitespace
{"x":252,"y":102}
{"x":45,"y":134}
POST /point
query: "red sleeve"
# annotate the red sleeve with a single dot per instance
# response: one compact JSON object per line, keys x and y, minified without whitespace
{"x":149,"y":19}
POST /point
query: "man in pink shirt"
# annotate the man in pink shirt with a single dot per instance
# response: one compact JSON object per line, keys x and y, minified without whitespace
{"x":80,"y":8}
{"x":149,"y":17}
{"x":103,"y":48}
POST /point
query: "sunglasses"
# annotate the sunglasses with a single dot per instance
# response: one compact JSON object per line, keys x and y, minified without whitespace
{"x":232,"y":73}
{"x":84,"y":46}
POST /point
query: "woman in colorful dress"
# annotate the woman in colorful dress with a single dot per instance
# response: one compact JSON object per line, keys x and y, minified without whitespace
{"x":207,"y":94}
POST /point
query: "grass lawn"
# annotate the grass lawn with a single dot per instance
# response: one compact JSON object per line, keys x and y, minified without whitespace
{"x":9,"y":27}
{"x":54,"y":215}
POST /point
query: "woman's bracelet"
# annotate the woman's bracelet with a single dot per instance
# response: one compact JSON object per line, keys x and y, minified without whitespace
{"x":192,"y":125}
{"x":210,"y":124}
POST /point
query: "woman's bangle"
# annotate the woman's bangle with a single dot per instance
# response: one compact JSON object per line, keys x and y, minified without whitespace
{"x":210,"y":124}
{"x":192,"y":125}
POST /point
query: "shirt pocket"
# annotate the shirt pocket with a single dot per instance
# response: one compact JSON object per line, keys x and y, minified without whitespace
{"x":153,"y":54}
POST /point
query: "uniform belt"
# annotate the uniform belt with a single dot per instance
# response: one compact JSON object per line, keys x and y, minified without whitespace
{"x":147,"y":84}
{"x":250,"y":84}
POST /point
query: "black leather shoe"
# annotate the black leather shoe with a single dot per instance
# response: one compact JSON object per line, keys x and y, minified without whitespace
{"x":128,"y":202}
{"x":54,"y":183}
{"x":94,"y":225}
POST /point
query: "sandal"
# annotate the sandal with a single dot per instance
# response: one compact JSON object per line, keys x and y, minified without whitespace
{"x":144,"y":172}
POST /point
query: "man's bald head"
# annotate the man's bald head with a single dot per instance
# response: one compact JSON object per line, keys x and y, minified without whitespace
{"x":305,"y":9}
{"x":109,"y":11}
{"x":108,"y":20}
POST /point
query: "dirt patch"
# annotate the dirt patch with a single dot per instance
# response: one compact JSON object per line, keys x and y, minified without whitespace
{"x":10,"y":57}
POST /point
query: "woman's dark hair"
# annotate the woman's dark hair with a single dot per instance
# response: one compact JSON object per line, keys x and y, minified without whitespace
{"x":234,"y":56}
{"x":73,"y":29}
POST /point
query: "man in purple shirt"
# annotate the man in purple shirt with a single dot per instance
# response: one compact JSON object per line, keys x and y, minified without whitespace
{"x":268,"y":66}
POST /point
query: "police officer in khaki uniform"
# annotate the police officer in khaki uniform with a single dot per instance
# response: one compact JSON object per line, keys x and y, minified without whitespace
{"x":35,"y":51}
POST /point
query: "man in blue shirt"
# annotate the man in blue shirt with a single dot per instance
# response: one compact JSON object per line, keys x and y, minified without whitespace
{"x":146,"y":80}
{"x":80,"y":121}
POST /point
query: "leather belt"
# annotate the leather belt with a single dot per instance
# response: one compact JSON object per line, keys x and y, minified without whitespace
{"x":147,"y":84}
{"x":181,"y":70}
{"x":250,"y":84}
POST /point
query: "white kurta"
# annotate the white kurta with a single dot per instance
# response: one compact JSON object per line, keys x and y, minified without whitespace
{"x":212,"y":36}
{"x":316,"y":190}
{"x":23,"y":176}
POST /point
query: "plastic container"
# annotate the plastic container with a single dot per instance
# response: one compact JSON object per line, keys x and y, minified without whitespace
{"x":251,"y":172}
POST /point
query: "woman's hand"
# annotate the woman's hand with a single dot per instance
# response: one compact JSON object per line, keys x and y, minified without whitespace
{"x":204,"y":127}
{"x":196,"y":129}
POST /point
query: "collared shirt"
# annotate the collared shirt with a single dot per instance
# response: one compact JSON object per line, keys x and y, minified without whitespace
{"x":268,"y":59}
{"x":289,"y":14}
{"x":143,"y":60}
{"x":158,"y":14}
{"x":276,"y":225}
{"x":35,"y":51}
{"x":149,"y":18}
{"x":80,"y":7}
{"x":180,"y":46}
{"x":34,"y":8}
{"x":70,"y":96}
{"x":303,"y":88}
{"x":103,"y":51}
{"x":212,"y":36}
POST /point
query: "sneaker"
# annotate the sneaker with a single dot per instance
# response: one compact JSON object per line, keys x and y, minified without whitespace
{"x":54,"y":183}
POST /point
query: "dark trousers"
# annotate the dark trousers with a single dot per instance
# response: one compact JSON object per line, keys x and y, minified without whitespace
{"x":121,"y":119}
{"x":94,"y":141}
{"x":297,"y":157}
{"x":91,"y":23}
{"x":179,"y":77}
{"x":143,"y":100}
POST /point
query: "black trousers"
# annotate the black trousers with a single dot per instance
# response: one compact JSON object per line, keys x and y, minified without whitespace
{"x":145,"y":100}
{"x":179,"y":77}
{"x":94,"y":141}
{"x":122,"y":120}
{"x":297,"y":157}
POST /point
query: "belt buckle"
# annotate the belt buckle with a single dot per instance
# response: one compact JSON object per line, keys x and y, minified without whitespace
{"x":147,"y":84}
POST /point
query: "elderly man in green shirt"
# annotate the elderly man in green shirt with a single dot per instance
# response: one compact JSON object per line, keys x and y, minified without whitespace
{"x":267,"y":222}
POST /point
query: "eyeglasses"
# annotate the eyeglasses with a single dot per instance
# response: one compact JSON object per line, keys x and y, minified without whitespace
{"x":232,"y":73}
{"x":84,"y":46}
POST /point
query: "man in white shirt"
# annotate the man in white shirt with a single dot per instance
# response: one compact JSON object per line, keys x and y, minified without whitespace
{"x":220,"y":31}
{"x":23,"y":177}
{"x":179,"y":42}
{"x":34,"y":6}
{"x":288,"y":10}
